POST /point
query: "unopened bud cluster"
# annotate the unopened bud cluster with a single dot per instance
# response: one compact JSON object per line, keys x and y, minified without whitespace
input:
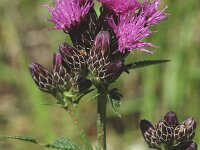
{"x":60,"y":81}
{"x":169,"y":133}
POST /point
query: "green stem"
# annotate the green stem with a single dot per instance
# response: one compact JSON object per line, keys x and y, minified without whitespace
{"x":73,"y":112}
{"x":165,"y":147}
{"x":101,"y":118}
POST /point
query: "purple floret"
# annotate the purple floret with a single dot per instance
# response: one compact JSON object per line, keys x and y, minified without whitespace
{"x":131,"y":28}
{"x":121,"y":6}
{"x":68,"y":13}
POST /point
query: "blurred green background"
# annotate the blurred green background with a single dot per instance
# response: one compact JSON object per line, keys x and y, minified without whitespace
{"x":148,"y":92}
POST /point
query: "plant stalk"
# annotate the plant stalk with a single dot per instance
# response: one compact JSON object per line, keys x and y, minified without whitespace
{"x":73,"y":112}
{"x":101,"y":118}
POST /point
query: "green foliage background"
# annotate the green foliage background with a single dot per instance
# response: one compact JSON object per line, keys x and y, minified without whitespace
{"x":148,"y":92}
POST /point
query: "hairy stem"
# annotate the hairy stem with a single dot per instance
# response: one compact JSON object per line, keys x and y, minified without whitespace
{"x":73,"y":112}
{"x":101,"y":118}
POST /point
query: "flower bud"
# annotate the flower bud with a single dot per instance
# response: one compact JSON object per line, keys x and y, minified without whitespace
{"x":111,"y":72}
{"x":99,"y":53}
{"x":164,"y":131}
{"x":101,"y":45}
{"x":191,"y":146}
{"x":171,"y":119}
{"x":190,"y":122}
{"x":60,"y":73}
{"x":42,"y":77}
{"x":99,"y":62}
{"x":72,"y":57}
{"x":185,"y":131}
{"x":190,"y":125}
{"x":149,"y":133}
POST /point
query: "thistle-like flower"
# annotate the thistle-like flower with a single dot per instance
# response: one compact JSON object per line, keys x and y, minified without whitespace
{"x":152,"y":13}
{"x":99,"y":44}
{"x":131,"y":28}
{"x":130,"y":31}
{"x":77,"y":18}
{"x":68,"y":13}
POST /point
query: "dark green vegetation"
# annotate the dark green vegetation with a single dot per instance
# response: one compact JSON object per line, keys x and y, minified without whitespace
{"x":148,"y":92}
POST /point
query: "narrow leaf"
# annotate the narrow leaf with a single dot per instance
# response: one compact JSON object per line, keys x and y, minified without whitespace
{"x":23,"y":138}
{"x":63,"y":144}
{"x":144,"y":63}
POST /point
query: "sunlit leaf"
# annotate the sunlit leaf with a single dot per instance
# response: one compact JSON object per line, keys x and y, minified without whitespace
{"x":63,"y":144}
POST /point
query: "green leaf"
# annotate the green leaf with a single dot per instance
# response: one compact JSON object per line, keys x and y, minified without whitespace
{"x":60,"y":144}
{"x":63,"y":144}
{"x":144,"y":63}
{"x":115,"y":100}
{"x":23,"y":138}
{"x":115,"y":105}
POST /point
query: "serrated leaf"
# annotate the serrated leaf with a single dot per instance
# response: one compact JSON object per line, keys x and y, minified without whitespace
{"x":63,"y":144}
{"x":23,"y":138}
{"x":144,"y":63}
{"x":115,"y":105}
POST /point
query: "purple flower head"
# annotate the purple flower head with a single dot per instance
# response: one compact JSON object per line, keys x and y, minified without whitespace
{"x":152,"y":13}
{"x":68,"y":13}
{"x":121,"y":6}
{"x":131,"y":28}
{"x":129,"y":31}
